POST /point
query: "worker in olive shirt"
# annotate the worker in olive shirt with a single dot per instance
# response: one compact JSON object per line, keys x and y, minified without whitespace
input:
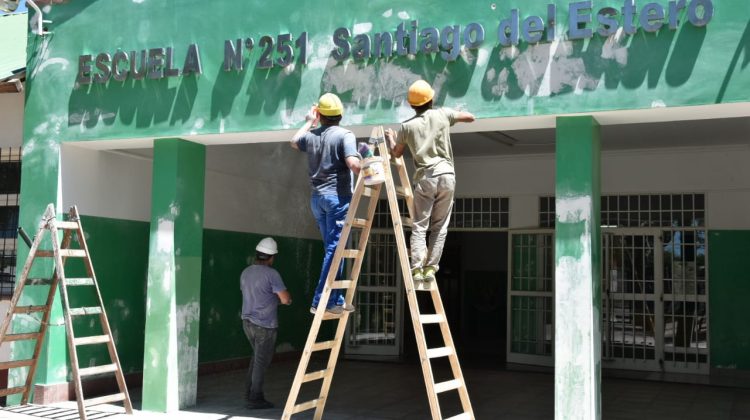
{"x":427,"y":135}
{"x":262,"y":291}
{"x":331,"y":157}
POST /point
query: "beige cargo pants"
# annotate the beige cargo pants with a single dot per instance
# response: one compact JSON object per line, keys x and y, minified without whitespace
{"x":433,"y":203}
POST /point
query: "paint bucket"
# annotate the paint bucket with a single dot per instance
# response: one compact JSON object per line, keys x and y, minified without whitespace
{"x":373,"y":170}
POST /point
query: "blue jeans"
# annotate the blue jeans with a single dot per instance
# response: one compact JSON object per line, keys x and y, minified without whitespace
{"x":330,"y":213}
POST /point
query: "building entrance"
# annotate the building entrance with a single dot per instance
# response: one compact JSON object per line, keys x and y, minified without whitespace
{"x":654,"y":303}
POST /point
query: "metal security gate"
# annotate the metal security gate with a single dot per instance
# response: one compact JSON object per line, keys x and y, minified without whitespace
{"x":531,"y":299}
{"x":375,"y":328}
{"x":685,"y":300}
{"x":631,"y":308}
{"x":654,"y":299}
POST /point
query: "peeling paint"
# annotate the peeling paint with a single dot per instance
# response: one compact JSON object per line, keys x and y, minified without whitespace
{"x":403,"y":15}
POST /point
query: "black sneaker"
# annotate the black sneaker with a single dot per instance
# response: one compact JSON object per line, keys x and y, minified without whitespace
{"x":259,"y":405}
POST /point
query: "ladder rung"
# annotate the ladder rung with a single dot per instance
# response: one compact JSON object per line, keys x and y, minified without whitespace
{"x":323,"y":345}
{"x":314,"y":376}
{"x":79,"y":282}
{"x":306,"y":405}
{"x":91,"y":310}
{"x":402,"y":192}
{"x":94,"y":339}
{"x":367,"y":191}
{"x":359,"y":223}
{"x":104,"y":400}
{"x":66,"y":225}
{"x":72,"y":252}
{"x":16,"y":364}
{"x":38,"y":282}
{"x":425,"y":286}
{"x":19,"y":337}
{"x":341,"y":284}
{"x":328,"y":316}
{"x":350,"y":253}
{"x":63,"y":253}
{"x":432,"y":319}
{"x":448,"y":385}
{"x":29,"y":309}
{"x":11,"y":391}
{"x":439,"y":352}
{"x":95,"y":370}
{"x":462,"y":416}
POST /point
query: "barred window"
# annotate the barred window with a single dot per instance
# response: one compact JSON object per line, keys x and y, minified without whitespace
{"x":10,"y":186}
{"x":468,"y":213}
{"x":644,"y":210}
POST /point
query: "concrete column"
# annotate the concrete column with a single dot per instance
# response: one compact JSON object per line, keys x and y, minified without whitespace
{"x":577,"y":270}
{"x":170,"y":360}
{"x":40,"y":185}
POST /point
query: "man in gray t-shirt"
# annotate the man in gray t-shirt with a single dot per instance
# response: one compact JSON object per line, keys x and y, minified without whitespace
{"x":262,"y":291}
{"x":332,"y":157}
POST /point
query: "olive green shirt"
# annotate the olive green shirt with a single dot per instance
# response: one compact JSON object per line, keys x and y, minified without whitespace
{"x":429,"y":140}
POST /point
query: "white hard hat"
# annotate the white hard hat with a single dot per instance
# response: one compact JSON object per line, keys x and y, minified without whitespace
{"x":267,"y":246}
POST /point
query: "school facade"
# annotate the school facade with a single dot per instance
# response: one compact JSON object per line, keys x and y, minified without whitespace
{"x":602,"y":211}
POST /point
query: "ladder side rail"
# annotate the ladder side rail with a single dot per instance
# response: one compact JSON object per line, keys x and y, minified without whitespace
{"x":43,"y":328}
{"x":103,"y":315}
{"x":60,"y":270}
{"x":356,"y":269}
{"x":409,"y":285}
{"x":437,"y":300}
{"x":406,"y":185}
{"x":463,"y":392}
{"x":21,"y":282}
{"x":322,"y":303}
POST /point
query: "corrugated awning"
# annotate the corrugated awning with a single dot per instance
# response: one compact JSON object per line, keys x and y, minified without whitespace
{"x":13,"y":30}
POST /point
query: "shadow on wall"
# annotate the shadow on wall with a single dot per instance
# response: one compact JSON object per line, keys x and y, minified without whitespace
{"x":559,"y":68}
{"x":142,"y":103}
{"x":743,"y":46}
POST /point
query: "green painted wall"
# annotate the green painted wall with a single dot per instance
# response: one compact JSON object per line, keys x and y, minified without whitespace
{"x":729,"y":293}
{"x":689,"y":66}
{"x":226,"y":254}
{"x":119,"y":250}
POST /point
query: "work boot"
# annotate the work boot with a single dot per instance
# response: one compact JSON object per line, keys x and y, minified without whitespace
{"x":429,"y":273}
{"x":348,"y":307}
{"x":258,"y":402}
{"x":332,"y":310}
{"x":417,"y":274}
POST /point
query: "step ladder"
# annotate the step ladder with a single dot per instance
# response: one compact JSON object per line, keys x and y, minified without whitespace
{"x":419,"y":319}
{"x":60,"y":252}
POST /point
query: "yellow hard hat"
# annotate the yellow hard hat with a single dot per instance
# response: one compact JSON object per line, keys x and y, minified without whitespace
{"x":330,"y":105}
{"x":420,"y":92}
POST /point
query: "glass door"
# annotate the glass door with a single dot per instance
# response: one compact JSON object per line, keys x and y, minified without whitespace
{"x":375,"y":329}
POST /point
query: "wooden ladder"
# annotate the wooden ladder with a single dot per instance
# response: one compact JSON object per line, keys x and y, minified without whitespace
{"x":60,"y":252}
{"x":419,"y":319}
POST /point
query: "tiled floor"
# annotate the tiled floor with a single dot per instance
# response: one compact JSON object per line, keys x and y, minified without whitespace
{"x":363,"y":390}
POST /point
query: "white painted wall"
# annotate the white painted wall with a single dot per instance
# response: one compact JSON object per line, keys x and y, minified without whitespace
{"x":11,"y":119}
{"x":260,"y":188}
{"x":722,"y":173}
{"x":106,"y":183}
